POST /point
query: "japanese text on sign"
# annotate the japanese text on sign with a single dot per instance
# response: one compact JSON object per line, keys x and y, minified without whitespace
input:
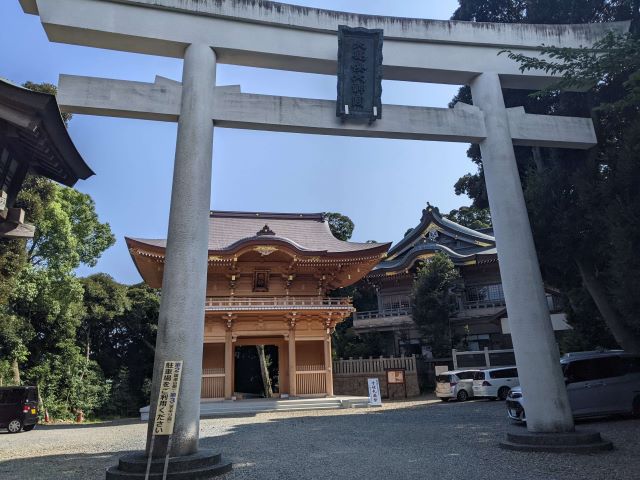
{"x":374,"y":391}
{"x":359,"y":73}
{"x":168,"y":398}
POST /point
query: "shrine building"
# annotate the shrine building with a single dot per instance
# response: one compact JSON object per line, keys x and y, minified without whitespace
{"x":478,"y":315}
{"x":269,"y":276}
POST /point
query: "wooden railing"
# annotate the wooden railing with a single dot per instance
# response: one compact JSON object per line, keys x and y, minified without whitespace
{"x":375,"y":314}
{"x":482,"y":358}
{"x":311,"y":379}
{"x":212,"y":383}
{"x":484,"y":304}
{"x":372,"y":365}
{"x":223,"y":303}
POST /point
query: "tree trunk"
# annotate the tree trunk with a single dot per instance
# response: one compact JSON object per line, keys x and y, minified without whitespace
{"x":625,"y":337}
{"x":16,"y":371}
{"x":88,"y":344}
{"x":537,"y":158}
{"x":264,"y":371}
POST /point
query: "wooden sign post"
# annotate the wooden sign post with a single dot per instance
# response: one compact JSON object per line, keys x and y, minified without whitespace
{"x":396,"y":376}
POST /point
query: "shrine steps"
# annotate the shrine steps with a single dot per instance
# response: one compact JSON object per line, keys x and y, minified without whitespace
{"x":217,"y":408}
{"x":253,"y":406}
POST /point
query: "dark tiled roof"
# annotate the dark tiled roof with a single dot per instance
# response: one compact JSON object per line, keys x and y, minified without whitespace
{"x":306,"y":232}
{"x":431,"y":215}
{"x":465,"y":244}
{"x":44,"y":143}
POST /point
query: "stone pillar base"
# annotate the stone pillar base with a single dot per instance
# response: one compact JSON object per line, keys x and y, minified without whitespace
{"x":581,"y":441}
{"x":201,"y":465}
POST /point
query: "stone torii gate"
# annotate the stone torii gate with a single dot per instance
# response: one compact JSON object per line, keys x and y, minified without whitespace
{"x":287,"y":37}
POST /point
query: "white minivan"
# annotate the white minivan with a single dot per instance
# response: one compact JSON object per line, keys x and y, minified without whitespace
{"x":495,"y":383}
{"x":456,"y":384}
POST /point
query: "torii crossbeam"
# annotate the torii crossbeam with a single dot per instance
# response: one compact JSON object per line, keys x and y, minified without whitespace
{"x":266,"y":34}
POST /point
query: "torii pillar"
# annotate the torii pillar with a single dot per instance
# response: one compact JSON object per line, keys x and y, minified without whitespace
{"x":181,"y":319}
{"x":549,"y":418}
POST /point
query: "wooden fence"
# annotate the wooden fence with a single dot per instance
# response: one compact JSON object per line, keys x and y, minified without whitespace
{"x":350,"y":377}
{"x":372,"y":365}
{"x":212,"y":383}
{"x":311,"y":380}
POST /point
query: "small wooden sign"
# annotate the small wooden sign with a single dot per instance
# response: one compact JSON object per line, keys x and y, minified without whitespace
{"x":168,"y":398}
{"x":395,"y":376}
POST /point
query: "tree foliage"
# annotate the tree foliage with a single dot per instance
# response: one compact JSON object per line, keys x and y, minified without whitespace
{"x":44,"y":306}
{"x":340,"y":225}
{"x":432,"y":303}
{"x":471,"y":217}
{"x":346,"y":342}
{"x":583,"y":206}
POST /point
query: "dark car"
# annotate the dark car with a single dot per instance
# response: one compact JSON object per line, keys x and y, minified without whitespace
{"x":18,"y":408}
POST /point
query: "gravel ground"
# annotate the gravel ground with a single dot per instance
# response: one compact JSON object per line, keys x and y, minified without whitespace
{"x":423,"y":439}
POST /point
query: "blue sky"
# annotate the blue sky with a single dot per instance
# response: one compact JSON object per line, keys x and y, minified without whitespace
{"x":381,"y":184}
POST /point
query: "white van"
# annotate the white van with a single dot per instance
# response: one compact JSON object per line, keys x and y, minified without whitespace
{"x":456,"y":384}
{"x":495,"y":383}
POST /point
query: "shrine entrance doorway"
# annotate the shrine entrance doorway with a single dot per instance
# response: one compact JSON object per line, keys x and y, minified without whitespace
{"x":249,"y":381}
{"x":247,"y":370}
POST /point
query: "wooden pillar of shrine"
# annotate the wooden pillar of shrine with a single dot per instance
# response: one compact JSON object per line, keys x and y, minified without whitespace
{"x":228,"y":365}
{"x":292,"y":357}
{"x":328,"y":364}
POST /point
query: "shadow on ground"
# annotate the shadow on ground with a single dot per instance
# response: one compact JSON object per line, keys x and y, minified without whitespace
{"x":438,"y":440}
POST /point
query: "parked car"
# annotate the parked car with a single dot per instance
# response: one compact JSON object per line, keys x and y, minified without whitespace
{"x":598,"y":384}
{"x":495,"y":383}
{"x":456,"y":384}
{"x":18,"y":408}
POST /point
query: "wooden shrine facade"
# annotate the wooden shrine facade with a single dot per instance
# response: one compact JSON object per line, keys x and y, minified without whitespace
{"x":268,"y":281}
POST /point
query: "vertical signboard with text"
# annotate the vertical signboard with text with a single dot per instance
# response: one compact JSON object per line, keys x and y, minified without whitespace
{"x":359,"y":73}
{"x":168,"y":398}
{"x":375,"y":398}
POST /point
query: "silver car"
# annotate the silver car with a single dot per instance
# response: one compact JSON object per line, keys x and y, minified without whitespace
{"x":598,"y":384}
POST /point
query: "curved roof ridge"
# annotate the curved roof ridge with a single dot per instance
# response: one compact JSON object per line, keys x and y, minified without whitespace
{"x":275,"y":215}
{"x":51,"y":137}
{"x":468,"y":231}
{"x":417,"y":250}
{"x":409,"y":259}
{"x":304,"y":232}
{"x":431,"y":215}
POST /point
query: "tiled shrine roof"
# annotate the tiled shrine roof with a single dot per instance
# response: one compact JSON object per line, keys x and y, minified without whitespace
{"x":304,"y":232}
{"x":38,"y":134}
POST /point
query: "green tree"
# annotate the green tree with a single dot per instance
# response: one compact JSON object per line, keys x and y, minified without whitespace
{"x":471,"y":217}
{"x":42,"y":303}
{"x":139,"y":324}
{"x":604,"y":185}
{"x":582,"y":206}
{"x":346,"y":343}
{"x":101,"y":332}
{"x":432,"y":302}
{"x":45,"y":306}
{"x":340,"y":225}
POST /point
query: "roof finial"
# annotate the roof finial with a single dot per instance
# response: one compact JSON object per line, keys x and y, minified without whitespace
{"x":265,"y":231}
{"x":429,"y":209}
